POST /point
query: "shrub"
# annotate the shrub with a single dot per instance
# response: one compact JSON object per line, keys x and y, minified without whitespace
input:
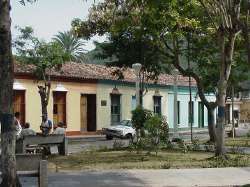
{"x":139,"y":117}
{"x":140,"y":145}
{"x":166,"y":165}
{"x":164,"y":130}
{"x":169,"y":145}
{"x":183,"y":146}
{"x":157,"y":132}
{"x":195,"y":144}
{"x":248,"y":134}
{"x":153,"y":126}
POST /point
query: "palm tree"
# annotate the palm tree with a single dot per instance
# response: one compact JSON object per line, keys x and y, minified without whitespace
{"x":72,"y":45}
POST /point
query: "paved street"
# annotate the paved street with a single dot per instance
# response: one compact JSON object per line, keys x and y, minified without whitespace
{"x":149,"y":178}
{"x":99,"y":142}
{"x":82,"y":143}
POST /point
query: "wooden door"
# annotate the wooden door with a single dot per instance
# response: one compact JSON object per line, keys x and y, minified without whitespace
{"x":19,"y":104}
{"x":59,"y":107}
{"x":91,"y":112}
{"x":83,"y":110}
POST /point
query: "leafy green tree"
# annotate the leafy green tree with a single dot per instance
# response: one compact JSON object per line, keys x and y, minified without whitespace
{"x":157,"y":133}
{"x":169,"y":23}
{"x":205,"y":57}
{"x":142,"y":21}
{"x":139,"y":117}
{"x":126,"y":46}
{"x":8,"y":137}
{"x":45,"y":57}
{"x":122,"y":51}
{"x":71,"y":45}
{"x":226,"y":18}
{"x":210,"y":20}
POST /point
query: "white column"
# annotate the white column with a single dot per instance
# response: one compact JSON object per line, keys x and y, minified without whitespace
{"x":137,"y":68}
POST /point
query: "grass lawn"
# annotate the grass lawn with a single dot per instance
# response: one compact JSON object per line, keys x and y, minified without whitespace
{"x":101,"y":160}
{"x":239,"y":141}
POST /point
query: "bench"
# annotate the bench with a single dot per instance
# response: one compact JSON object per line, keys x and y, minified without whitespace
{"x":31,"y":165}
{"x":59,"y":140}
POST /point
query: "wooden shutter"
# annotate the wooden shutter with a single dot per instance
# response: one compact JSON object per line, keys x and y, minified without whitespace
{"x":83,"y":110}
{"x":59,"y":107}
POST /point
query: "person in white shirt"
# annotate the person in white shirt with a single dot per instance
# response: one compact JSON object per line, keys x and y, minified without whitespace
{"x":18,"y":125}
{"x":59,"y":129}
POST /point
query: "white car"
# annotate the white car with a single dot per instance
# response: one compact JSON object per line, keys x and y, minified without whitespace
{"x":123,"y":130}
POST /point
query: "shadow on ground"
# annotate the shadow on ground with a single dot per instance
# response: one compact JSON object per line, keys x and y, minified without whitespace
{"x":94,"y":179}
{"x":87,"y":179}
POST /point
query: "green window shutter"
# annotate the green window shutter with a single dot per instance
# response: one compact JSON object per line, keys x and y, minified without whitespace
{"x":191,"y":107}
{"x":200,"y":115}
{"x":178,"y":112}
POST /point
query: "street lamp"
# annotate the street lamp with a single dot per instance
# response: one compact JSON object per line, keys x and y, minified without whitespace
{"x":175,"y":74}
{"x":137,"y":68}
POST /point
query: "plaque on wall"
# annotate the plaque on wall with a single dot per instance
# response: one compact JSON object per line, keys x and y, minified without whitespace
{"x":103,"y":103}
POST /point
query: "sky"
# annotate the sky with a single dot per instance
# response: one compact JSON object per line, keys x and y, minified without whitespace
{"x":48,"y":17}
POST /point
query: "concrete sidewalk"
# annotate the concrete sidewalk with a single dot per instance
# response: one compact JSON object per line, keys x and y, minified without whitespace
{"x":150,"y":178}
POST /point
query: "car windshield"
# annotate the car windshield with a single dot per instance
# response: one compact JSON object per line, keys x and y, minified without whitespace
{"x":126,"y":123}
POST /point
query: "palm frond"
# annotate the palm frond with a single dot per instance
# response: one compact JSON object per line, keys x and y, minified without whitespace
{"x":71,"y":45}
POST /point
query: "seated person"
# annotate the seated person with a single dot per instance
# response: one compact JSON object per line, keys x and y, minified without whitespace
{"x":59,"y":129}
{"x":46,"y":126}
{"x":27,"y":131}
{"x":17,"y":125}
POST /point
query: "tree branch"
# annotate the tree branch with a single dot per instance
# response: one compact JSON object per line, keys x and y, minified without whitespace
{"x":208,"y":13}
{"x":188,"y":72}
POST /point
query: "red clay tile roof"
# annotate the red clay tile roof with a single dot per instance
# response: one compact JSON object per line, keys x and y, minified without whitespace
{"x":98,"y":72}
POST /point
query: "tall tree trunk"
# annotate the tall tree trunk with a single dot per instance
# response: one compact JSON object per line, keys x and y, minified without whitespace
{"x":44,"y":92}
{"x":227,"y":50}
{"x":211,"y":124}
{"x":44,"y":103}
{"x":8,"y":135}
{"x":221,"y":98}
{"x":220,"y":128}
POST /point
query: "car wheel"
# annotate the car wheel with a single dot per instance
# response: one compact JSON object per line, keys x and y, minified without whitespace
{"x":108,"y":137}
{"x":129,"y":136}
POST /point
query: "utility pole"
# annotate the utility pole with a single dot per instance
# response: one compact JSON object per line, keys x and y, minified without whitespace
{"x":233,"y":111}
{"x":176,"y":135}
{"x":190,"y":114}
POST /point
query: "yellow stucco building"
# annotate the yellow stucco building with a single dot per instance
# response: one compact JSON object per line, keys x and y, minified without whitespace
{"x":88,"y":97}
